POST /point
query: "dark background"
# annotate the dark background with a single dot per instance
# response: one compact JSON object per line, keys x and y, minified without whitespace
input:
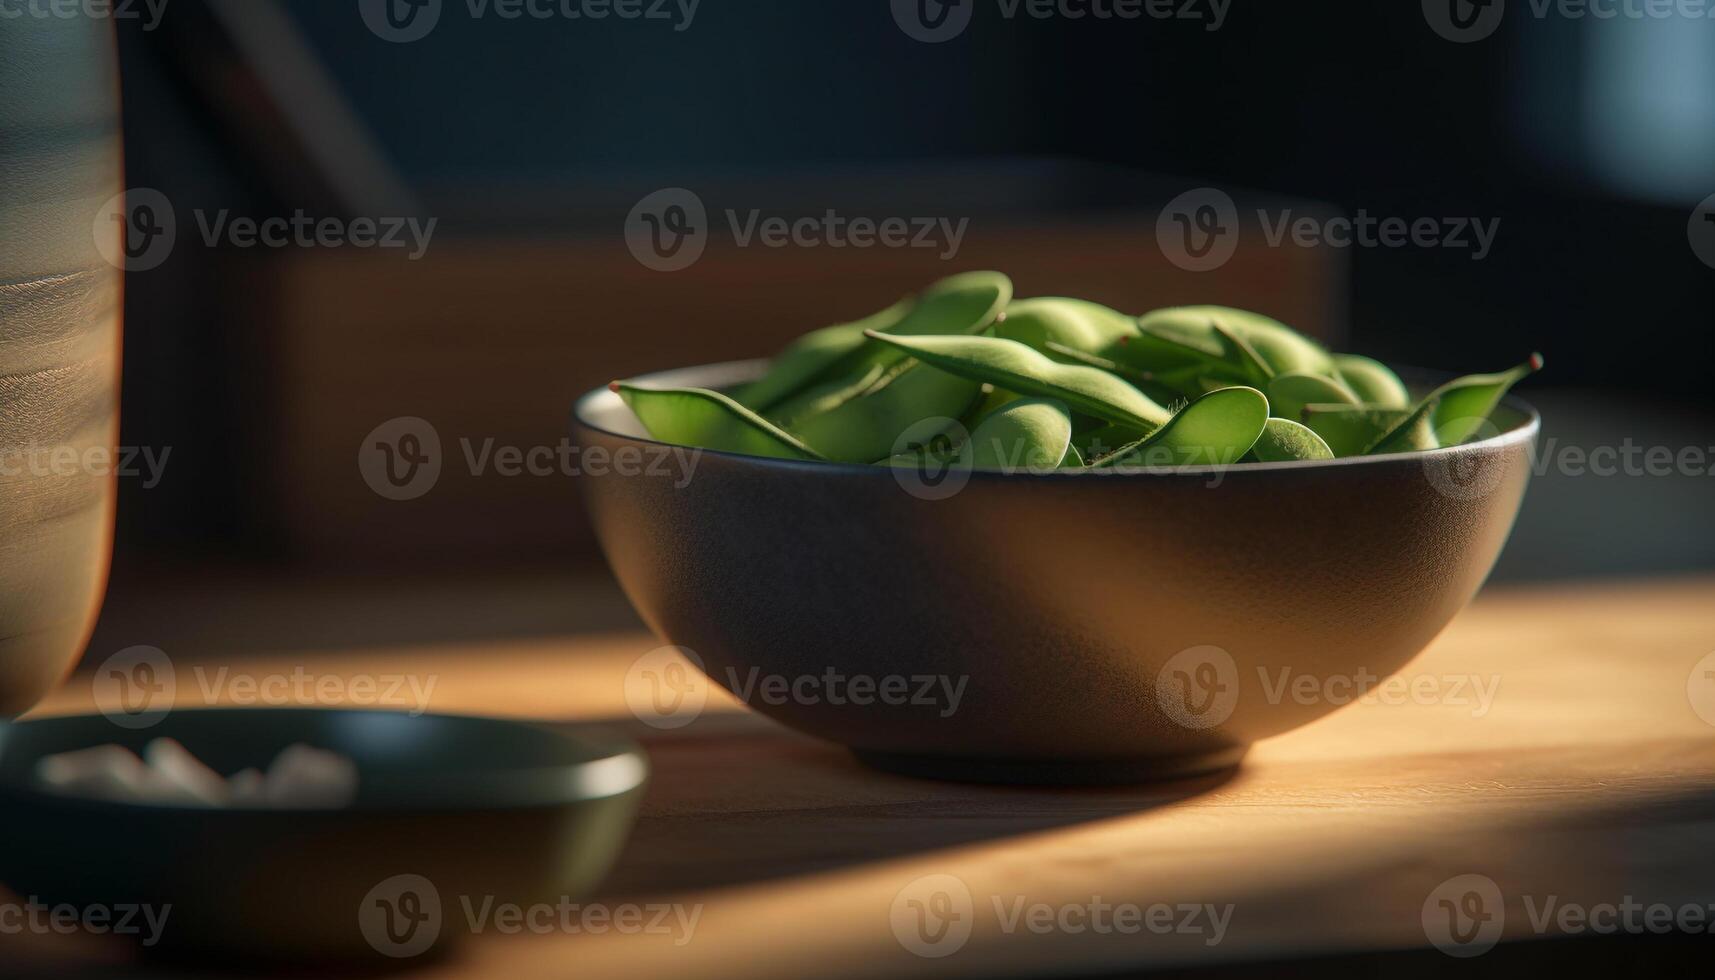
{"x":1591,"y":141}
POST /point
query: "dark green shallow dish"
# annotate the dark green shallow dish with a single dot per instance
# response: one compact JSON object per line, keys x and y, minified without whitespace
{"x":477,"y":807}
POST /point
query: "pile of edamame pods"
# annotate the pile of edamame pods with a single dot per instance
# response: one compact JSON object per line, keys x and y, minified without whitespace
{"x":962,"y":375}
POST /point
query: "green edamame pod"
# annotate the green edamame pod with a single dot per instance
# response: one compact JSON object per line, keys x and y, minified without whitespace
{"x":1464,"y":404}
{"x":867,"y":427}
{"x":1047,"y":322}
{"x":1351,"y":429}
{"x":1235,"y":348}
{"x":1289,"y":393}
{"x":1281,"y":348}
{"x":1178,"y":363}
{"x":1106,"y":440}
{"x":1072,"y":355}
{"x":807,"y":360}
{"x":1193,"y":365}
{"x":1013,"y":366}
{"x":993,"y":400}
{"x":710,"y":420}
{"x":824,"y":397}
{"x":1416,"y":432}
{"x":965,"y":303}
{"x":939,"y":453}
{"x":1140,"y":380}
{"x":1372,"y":381}
{"x":1030,"y":434}
{"x":1284,"y":440}
{"x":1218,"y":428}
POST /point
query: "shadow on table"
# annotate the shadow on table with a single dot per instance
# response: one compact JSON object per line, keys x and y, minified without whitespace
{"x":735,"y":798}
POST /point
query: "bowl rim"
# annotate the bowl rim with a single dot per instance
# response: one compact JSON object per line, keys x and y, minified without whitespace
{"x":617,"y":766}
{"x":1525,"y":431}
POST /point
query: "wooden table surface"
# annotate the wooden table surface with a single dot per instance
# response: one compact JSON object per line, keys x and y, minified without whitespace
{"x":1584,"y":775}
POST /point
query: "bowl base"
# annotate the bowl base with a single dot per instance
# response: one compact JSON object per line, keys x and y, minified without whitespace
{"x":1052,"y":772}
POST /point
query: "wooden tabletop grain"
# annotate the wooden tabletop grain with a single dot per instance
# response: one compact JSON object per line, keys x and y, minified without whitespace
{"x":1545,"y":770}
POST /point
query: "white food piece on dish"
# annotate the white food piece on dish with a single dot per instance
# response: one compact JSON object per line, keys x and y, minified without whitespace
{"x":247,"y":788}
{"x":305,"y":776}
{"x":301,"y":777}
{"x":108,"y":772}
{"x":178,"y":774}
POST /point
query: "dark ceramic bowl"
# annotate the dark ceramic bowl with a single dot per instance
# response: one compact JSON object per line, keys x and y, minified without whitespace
{"x":1057,"y":627}
{"x":448,"y":808}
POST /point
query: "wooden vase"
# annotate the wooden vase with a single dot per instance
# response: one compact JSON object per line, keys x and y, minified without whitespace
{"x":61,"y":278}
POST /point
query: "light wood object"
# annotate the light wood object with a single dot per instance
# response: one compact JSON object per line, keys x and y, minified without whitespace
{"x":60,"y":184}
{"x":1590,"y":777}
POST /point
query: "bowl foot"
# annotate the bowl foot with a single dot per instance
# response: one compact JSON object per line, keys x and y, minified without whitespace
{"x":1050,"y":772}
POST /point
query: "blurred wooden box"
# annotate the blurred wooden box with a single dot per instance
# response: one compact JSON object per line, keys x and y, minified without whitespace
{"x":491,"y":339}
